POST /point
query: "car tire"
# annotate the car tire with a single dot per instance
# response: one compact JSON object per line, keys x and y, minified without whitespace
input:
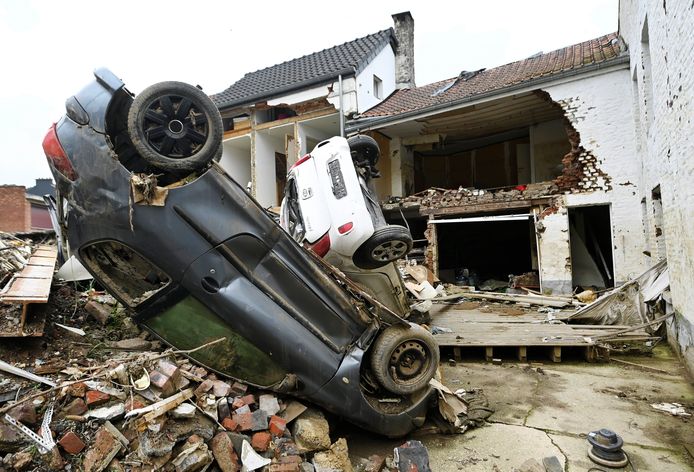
{"x":387,"y":244}
{"x":364,"y":149}
{"x":175,"y":127}
{"x":404,"y":359}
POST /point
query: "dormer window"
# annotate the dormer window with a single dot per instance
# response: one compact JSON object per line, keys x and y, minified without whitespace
{"x":378,"y":88}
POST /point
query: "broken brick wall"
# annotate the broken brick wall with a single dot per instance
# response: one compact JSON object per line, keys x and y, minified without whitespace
{"x":601,"y":168}
{"x":15,"y":211}
{"x":661,"y":51}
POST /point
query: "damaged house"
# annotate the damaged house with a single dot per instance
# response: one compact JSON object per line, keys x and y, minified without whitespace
{"x":526,"y":168}
{"x":275,"y":115}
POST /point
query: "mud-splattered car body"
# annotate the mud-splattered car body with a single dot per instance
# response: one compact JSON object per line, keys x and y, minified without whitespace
{"x":207,"y":262}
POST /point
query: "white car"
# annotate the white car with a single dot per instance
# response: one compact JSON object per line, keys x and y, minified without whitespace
{"x":328,"y":205}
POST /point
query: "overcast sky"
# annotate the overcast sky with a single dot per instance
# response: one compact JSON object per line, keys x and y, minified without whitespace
{"x":50,"y":48}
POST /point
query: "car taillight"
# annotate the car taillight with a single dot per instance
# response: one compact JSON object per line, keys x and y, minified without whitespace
{"x":322,"y":246}
{"x":301,"y":161}
{"x":56,"y":154}
{"x":345,"y":228}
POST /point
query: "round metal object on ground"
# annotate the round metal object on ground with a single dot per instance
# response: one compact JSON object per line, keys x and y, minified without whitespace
{"x":607,"y":448}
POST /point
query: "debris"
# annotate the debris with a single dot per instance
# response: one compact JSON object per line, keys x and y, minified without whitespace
{"x":292,"y":411}
{"x":675,"y":409}
{"x":411,"y":457}
{"x":10,"y":369}
{"x":107,"y":412}
{"x":184,"y":410}
{"x":269,"y":404}
{"x":44,"y":442}
{"x":21,"y":460}
{"x":531,"y":465}
{"x":336,"y":458}
{"x":132,"y":344}
{"x":586,"y":296}
{"x":194,"y":457}
{"x":99,"y":311}
{"x":311,"y":431}
{"x":71,"y":443}
{"x":552,"y":464}
{"x":250,"y":459}
{"x":77,"y":331}
{"x":145,"y":190}
{"x":224,"y":453}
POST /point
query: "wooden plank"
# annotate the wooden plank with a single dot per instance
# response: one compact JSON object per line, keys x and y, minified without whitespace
{"x":28,"y":289}
{"x":555,"y":353}
{"x":483,"y":207}
{"x":42,"y":261}
{"x":522,"y":353}
{"x":37,"y":272}
{"x":476,"y":315}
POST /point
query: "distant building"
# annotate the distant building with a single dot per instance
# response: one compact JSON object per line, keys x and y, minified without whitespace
{"x":22,"y":209}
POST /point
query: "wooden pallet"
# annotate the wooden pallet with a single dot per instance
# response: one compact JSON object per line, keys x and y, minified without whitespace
{"x":477,"y":329}
{"x":32,"y":285}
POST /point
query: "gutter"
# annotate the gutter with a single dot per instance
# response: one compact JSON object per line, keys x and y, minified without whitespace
{"x":377,"y":122}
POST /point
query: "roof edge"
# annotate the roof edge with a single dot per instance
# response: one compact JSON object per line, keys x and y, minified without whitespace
{"x":328,"y":78}
{"x":378,"y":121}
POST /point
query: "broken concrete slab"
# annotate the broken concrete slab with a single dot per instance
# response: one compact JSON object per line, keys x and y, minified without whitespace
{"x":335,"y":459}
{"x":311,"y":431}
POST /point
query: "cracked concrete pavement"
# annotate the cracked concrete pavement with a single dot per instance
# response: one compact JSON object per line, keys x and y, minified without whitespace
{"x":548,"y":411}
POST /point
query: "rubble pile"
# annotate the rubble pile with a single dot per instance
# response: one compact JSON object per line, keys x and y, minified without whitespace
{"x":14,"y":254}
{"x":436,"y":198}
{"x":149,"y":410}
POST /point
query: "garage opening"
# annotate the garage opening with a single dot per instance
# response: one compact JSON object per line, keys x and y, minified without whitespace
{"x":590,"y":233}
{"x":486,"y":251}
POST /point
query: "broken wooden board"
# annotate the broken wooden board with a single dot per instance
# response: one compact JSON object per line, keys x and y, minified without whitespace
{"x":498,"y":314}
{"x":467,"y":331}
{"x":31,"y":285}
{"x":554,"y":302}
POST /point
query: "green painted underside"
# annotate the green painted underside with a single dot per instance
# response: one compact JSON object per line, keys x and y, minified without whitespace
{"x":190,"y":324}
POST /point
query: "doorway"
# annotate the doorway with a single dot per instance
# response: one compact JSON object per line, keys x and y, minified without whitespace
{"x":590,"y":234}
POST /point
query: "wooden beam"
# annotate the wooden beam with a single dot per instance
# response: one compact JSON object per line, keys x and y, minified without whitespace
{"x":424,"y":139}
{"x":483,"y":207}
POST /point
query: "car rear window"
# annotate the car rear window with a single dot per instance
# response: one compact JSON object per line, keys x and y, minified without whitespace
{"x":126,"y":274}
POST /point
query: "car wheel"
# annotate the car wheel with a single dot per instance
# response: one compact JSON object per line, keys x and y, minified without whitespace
{"x":404,"y":359}
{"x":364,"y":149}
{"x":175,"y":127}
{"x":387,"y":244}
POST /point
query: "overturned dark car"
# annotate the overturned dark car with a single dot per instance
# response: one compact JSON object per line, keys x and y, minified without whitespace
{"x":163,"y":228}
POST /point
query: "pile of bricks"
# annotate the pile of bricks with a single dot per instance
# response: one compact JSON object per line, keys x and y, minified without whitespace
{"x":446,"y":198}
{"x":165,"y":413}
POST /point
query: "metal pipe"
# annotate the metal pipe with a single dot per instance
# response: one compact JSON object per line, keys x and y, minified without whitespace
{"x":342,"y":110}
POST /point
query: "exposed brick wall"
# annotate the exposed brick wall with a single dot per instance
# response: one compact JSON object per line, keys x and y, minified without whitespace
{"x":15,"y":211}
{"x":599,"y":109}
{"x":661,"y":49}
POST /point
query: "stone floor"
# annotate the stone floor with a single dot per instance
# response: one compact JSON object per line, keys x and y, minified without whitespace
{"x":546,"y":409}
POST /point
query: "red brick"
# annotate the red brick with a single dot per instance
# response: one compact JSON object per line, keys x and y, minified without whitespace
{"x":277,"y":426}
{"x":95,"y":398}
{"x":71,"y":443}
{"x":261,"y":441}
{"x":229,"y":424}
{"x":285,"y":467}
{"x":244,"y":420}
{"x":76,"y":407}
{"x":248,"y":399}
{"x":133,"y":404}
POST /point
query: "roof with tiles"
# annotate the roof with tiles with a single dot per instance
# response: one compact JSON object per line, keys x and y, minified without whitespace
{"x":305,"y":71}
{"x":469,"y":84}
